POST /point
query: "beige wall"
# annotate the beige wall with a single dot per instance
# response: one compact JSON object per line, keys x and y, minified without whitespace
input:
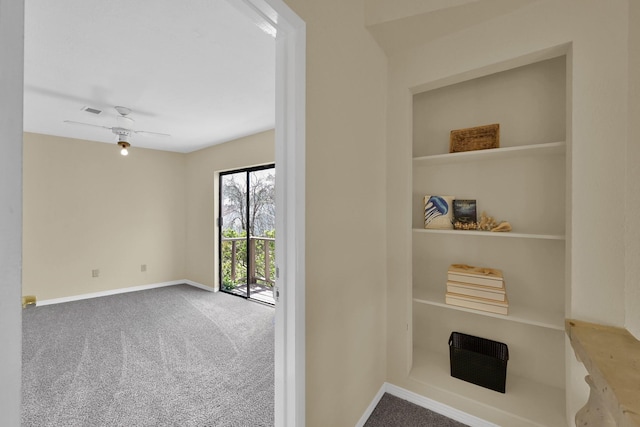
{"x":595,"y":34}
{"x":345,"y":219}
{"x":87,"y":207}
{"x":202,"y":168}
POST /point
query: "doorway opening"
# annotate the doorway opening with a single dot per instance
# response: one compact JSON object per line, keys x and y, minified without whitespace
{"x":247,"y":232}
{"x":290,"y":156}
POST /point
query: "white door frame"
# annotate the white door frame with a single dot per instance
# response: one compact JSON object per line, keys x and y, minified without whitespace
{"x":275,"y":18}
{"x":290,"y":210}
{"x":11,"y":94}
{"x":290,"y":30}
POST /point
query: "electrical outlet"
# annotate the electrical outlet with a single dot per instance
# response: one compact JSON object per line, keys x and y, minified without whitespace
{"x":95,"y":273}
{"x":143,"y":267}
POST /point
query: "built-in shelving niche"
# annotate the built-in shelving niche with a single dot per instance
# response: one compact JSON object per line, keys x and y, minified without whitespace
{"x":524,"y":182}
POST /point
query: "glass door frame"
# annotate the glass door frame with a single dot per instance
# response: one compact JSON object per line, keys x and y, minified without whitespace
{"x":219,"y":224}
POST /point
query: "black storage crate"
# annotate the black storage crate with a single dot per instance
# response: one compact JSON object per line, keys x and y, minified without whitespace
{"x":478,"y":360}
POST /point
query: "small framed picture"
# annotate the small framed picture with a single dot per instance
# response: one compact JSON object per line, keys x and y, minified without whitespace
{"x":465,"y":216}
{"x":438,"y":212}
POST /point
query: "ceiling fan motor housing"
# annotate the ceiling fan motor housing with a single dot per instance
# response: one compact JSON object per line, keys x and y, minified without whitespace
{"x":122,"y":134}
{"x":124,"y":122}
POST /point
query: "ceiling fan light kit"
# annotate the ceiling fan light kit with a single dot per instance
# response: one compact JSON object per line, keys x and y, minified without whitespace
{"x":123,"y":129}
{"x":123,"y":139}
{"x":125,"y":147}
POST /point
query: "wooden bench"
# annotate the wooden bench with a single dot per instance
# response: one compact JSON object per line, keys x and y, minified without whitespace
{"x":611,"y":355}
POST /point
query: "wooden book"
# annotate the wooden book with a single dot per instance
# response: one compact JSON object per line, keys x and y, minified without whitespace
{"x":482,"y":304}
{"x":488,"y":292}
{"x":475,"y":275}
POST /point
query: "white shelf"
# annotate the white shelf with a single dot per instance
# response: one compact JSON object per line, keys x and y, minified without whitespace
{"x":493,"y":154}
{"x":525,"y":403}
{"x":492,"y":234}
{"x":517,"y":313}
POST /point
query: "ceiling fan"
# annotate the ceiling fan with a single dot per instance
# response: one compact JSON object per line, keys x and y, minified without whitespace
{"x":123,"y":129}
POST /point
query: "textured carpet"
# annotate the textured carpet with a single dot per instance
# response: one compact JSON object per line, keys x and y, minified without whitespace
{"x":392,"y":411}
{"x":174,"y":356}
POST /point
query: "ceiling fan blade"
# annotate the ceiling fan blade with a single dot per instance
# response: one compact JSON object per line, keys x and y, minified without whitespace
{"x":71,"y":122}
{"x":146,"y":133}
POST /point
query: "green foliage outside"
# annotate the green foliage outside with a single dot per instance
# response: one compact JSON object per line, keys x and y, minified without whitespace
{"x":241,"y":259}
{"x":228,"y":282}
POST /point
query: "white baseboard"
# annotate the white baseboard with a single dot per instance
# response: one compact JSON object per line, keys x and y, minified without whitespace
{"x":367,"y":413}
{"x":122,"y":291}
{"x":425,"y":402}
{"x":198,"y":285}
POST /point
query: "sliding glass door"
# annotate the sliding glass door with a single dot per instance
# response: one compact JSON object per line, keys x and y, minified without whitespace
{"x":247,"y":232}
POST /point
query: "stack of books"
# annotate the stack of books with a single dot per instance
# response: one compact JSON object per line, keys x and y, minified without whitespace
{"x":478,"y":288}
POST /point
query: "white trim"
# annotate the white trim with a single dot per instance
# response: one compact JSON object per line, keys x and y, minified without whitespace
{"x":376,"y":399}
{"x":121,"y":291}
{"x":424,"y":402}
{"x":290,"y":207}
{"x":440,"y":408}
{"x":198,"y":285}
{"x":11,"y":107}
{"x":290,"y":33}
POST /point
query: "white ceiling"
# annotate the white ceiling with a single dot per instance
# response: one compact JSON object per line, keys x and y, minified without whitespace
{"x":199,"y":70}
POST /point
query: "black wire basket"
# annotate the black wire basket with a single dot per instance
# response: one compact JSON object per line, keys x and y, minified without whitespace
{"x":479,"y":361}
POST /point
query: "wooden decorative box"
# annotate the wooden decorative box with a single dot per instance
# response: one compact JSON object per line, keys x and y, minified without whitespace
{"x":476,"y":138}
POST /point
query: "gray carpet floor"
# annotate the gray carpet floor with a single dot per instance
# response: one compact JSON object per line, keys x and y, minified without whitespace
{"x":392,"y":411}
{"x":174,"y":356}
